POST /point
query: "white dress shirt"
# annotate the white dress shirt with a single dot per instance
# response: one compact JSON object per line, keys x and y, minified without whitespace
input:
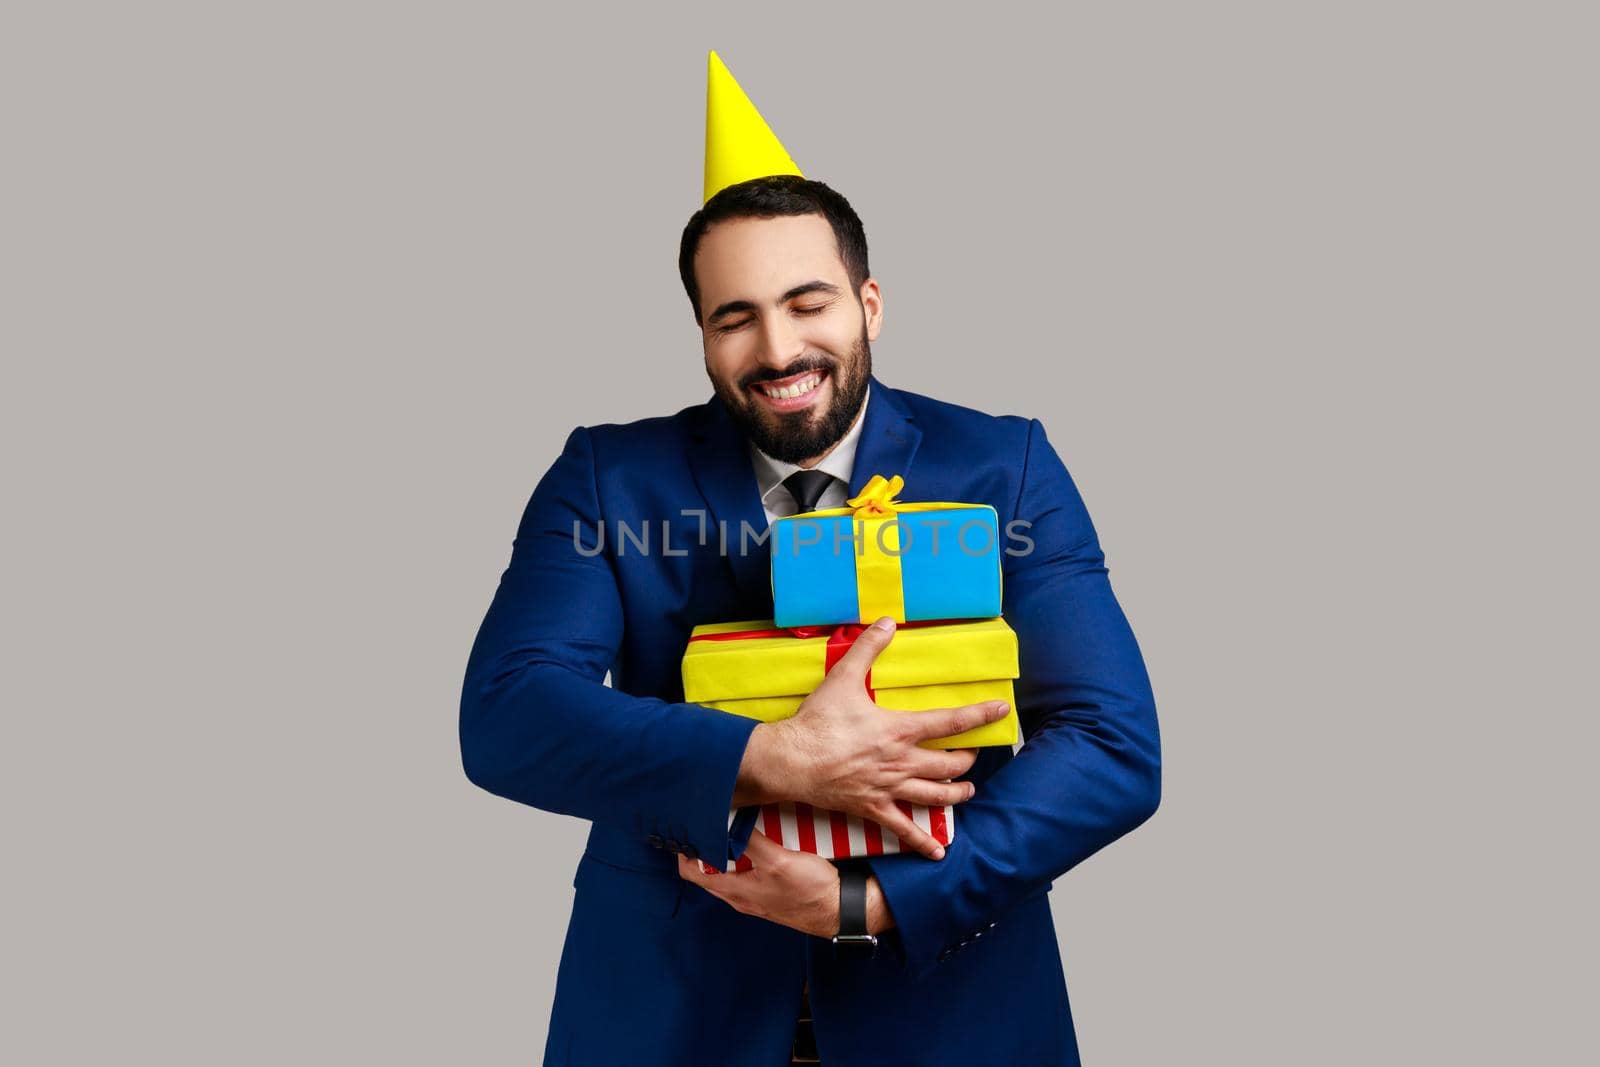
{"x":841,"y":463}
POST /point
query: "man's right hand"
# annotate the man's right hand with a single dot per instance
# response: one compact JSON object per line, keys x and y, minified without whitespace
{"x":841,"y":751}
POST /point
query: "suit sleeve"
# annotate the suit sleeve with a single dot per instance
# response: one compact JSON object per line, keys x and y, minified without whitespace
{"x":1090,"y":768}
{"x":538,"y":724}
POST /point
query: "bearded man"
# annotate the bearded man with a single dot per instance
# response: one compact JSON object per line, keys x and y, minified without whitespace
{"x":664,"y":964}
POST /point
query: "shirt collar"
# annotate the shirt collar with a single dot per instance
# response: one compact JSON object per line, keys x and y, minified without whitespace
{"x":841,"y":462}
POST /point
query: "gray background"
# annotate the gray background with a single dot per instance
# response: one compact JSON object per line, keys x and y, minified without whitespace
{"x":301,"y":299}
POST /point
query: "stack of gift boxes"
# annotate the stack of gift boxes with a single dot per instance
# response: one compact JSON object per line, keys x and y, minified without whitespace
{"x":934,"y":568}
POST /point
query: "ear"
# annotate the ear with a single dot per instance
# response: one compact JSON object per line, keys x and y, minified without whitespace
{"x":872,"y":306}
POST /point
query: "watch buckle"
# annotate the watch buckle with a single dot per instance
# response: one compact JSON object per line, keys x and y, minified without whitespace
{"x":856,"y":939}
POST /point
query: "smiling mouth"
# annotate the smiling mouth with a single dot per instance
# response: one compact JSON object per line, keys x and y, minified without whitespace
{"x":791,"y":392}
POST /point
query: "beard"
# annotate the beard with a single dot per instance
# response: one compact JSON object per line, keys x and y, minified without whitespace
{"x":793,"y":438}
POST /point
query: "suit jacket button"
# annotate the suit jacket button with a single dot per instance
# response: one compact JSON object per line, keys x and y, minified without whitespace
{"x":946,"y":952}
{"x":655,"y":841}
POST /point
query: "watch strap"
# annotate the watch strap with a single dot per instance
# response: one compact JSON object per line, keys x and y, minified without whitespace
{"x":853,"y":909}
{"x":852,"y":902}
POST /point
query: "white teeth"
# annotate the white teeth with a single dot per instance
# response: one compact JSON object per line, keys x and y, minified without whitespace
{"x":788,"y":392}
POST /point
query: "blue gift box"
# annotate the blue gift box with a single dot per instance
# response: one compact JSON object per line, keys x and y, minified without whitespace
{"x":925,"y":561}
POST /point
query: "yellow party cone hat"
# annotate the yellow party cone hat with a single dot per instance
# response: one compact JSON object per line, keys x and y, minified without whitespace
{"x":739,"y":143}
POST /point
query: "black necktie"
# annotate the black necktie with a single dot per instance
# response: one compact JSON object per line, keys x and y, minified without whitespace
{"x":807,"y":487}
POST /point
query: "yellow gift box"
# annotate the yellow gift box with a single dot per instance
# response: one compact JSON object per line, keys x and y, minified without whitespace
{"x":762,"y":672}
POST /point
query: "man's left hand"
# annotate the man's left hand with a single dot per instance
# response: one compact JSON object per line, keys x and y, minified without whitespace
{"x":796,"y":889}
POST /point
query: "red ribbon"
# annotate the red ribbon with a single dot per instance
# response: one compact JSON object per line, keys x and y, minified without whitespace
{"x":840,"y":638}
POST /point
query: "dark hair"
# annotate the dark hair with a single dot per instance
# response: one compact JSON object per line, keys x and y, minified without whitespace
{"x":767,"y":198}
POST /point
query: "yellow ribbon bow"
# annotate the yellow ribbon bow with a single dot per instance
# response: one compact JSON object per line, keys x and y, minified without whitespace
{"x":877,"y":497}
{"x":879,"y":587}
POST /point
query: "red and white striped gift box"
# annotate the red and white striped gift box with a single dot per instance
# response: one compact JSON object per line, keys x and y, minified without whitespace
{"x":834,"y":835}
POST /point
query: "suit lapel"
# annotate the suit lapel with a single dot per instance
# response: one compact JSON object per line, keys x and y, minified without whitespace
{"x":888,"y":442}
{"x":720,"y":462}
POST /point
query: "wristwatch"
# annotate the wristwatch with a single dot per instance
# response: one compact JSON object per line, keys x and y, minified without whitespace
{"x":852,"y":939}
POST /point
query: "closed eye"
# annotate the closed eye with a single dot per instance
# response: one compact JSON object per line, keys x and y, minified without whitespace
{"x":815,"y":309}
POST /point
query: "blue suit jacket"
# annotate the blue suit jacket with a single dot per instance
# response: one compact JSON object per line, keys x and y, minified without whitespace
{"x":655,"y":970}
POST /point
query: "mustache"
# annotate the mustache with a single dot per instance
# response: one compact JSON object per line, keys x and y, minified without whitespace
{"x":799,"y":366}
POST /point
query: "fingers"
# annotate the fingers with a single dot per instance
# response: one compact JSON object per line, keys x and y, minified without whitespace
{"x":937,"y":764}
{"x":934,"y":794}
{"x":729,"y":888}
{"x":689,"y":870}
{"x":913,"y":838}
{"x":762,"y":850}
{"x":857,"y":660}
{"x":946,"y":722}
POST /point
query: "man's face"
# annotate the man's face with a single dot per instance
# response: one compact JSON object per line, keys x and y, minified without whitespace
{"x":779,"y":317}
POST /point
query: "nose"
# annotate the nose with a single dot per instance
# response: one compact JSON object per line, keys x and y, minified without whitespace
{"x":780,"y":343}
